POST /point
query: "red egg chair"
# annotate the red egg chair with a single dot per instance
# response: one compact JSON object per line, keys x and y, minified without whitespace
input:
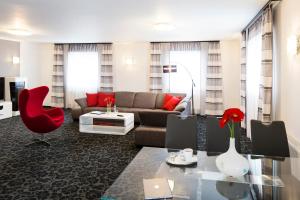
{"x":35,"y":117}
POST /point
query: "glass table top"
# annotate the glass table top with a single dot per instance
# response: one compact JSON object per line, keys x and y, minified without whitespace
{"x":268,"y":178}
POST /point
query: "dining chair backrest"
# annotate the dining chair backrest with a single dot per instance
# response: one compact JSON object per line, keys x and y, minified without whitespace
{"x":269,"y":139}
{"x":217,"y":138}
{"x":181,"y":132}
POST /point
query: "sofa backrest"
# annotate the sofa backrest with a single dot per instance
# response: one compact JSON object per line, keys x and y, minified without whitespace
{"x":124,"y":99}
{"x":161,"y":96}
{"x":144,"y":100}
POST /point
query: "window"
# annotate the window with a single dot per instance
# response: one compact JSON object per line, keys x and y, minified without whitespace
{"x":188,"y":65}
{"x":82,"y":75}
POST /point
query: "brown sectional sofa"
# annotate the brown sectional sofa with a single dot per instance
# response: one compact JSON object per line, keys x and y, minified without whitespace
{"x":139,"y":102}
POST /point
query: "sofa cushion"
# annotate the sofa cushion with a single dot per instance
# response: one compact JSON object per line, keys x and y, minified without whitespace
{"x":124,"y":99}
{"x":172,"y":103}
{"x":91,"y":99}
{"x":161,"y":96}
{"x":102,"y":98}
{"x":150,"y":136}
{"x":160,"y":100}
{"x":157,"y":117}
{"x":144,"y":100}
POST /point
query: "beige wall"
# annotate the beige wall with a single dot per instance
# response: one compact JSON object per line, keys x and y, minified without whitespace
{"x":230,"y":51}
{"x":287,"y":18}
{"x":8,"y":49}
{"x":36,"y":63}
{"x":131,"y":77}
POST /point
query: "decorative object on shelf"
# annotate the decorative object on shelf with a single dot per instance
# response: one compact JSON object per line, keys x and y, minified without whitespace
{"x":231,"y":163}
{"x":109,"y":102}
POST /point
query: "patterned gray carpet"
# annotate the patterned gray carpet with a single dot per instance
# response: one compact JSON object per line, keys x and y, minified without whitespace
{"x":75,"y":166}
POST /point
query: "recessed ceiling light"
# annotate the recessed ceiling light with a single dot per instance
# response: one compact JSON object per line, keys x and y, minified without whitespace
{"x":19,"y":32}
{"x":163,"y":26}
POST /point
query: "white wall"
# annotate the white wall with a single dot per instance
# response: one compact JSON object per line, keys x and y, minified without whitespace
{"x":230,"y":52}
{"x":131,"y":77}
{"x":287,"y":25}
{"x":36,"y":63}
{"x":8,"y":49}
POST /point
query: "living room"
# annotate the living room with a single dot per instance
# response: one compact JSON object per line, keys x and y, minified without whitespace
{"x":117,"y":79}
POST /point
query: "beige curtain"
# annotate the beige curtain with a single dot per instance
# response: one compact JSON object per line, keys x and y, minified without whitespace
{"x":214,"y":82}
{"x":264,"y":25}
{"x":57,"y":94}
{"x":60,"y":60}
{"x":265,"y":90}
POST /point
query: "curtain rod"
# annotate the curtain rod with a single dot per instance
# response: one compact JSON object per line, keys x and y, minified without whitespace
{"x":85,"y":43}
{"x":269,"y":3}
{"x":187,"y":41}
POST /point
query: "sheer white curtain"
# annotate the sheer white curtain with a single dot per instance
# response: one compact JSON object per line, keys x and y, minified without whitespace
{"x":81,"y":75}
{"x":254,"y":49}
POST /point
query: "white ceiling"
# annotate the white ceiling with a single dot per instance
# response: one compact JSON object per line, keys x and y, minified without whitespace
{"x":126,"y":20}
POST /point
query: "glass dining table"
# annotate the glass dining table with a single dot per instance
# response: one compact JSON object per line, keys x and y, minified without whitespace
{"x":268,"y":178}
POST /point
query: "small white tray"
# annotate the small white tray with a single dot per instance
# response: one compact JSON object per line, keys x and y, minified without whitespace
{"x":177,"y":160}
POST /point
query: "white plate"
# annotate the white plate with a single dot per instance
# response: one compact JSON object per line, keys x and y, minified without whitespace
{"x":177,"y":160}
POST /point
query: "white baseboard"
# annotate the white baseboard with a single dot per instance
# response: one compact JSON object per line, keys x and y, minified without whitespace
{"x":294,"y":146}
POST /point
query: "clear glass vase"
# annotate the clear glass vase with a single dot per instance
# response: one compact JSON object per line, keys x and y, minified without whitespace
{"x":108,"y":108}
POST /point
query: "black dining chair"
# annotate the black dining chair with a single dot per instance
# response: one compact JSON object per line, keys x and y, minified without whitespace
{"x":217,"y":138}
{"x":181,"y":132}
{"x":269,"y":139}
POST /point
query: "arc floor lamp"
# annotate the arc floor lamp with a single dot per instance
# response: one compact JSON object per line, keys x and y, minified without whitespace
{"x":173,"y":69}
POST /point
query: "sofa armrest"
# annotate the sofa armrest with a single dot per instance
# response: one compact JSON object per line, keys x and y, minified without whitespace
{"x":184,"y":106}
{"x":82,"y":103}
{"x":76,"y":113}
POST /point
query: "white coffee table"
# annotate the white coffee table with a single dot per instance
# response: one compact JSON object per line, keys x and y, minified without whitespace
{"x":106,"y":123}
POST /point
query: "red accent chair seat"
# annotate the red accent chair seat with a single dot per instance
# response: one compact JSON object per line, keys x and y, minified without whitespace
{"x":35,"y":117}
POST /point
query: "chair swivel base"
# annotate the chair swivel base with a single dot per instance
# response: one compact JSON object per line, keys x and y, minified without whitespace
{"x":39,"y":142}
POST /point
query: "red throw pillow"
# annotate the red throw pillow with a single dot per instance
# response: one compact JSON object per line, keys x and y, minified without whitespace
{"x":166,"y":99}
{"x":91,"y":99}
{"x":172,"y":103}
{"x":102,"y":96}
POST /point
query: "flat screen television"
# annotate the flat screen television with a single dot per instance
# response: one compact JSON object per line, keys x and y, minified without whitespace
{"x":1,"y":88}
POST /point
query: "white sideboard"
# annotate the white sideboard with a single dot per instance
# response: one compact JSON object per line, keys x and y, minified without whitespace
{"x":5,"y":109}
